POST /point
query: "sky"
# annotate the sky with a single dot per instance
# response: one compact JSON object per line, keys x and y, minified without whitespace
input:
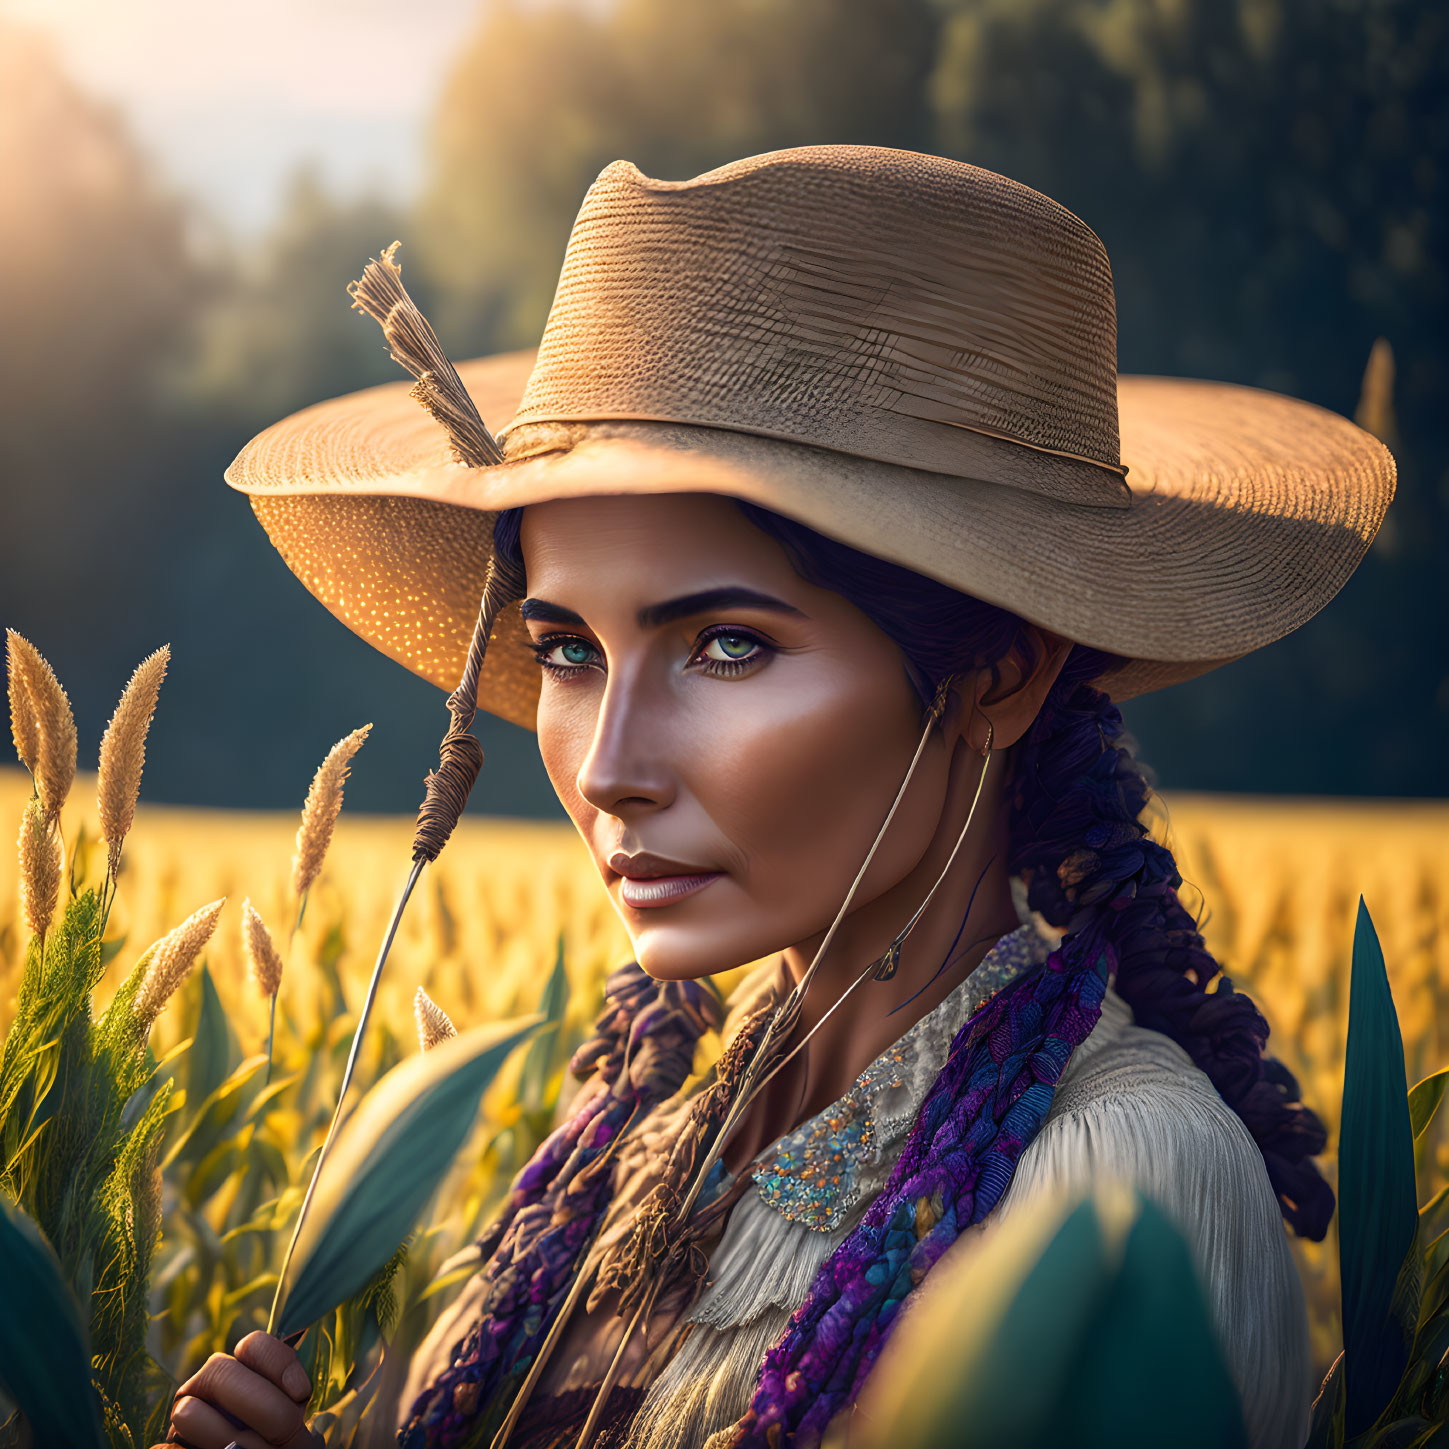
{"x":230,"y":97}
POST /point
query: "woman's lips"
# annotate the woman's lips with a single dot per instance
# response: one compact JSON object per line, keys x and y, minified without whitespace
{"x":644,"y":892}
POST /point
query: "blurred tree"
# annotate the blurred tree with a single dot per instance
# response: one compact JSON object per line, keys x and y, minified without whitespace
{"x":545,"y":97}
{"x":279,"y":333}
{"x":1268,"y":178}
{"x":97,"y":290}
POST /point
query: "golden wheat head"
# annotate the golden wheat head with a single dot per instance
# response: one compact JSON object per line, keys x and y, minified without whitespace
{"x":434,"y":1024}
{"x":49,"y":732}
{"x":319,"y":814}
{"x":123,"y":753}
{"x":39,"y":868}
{"x":23,"y":725}
{"x":264,"y":964}
{"x":172,"y":958}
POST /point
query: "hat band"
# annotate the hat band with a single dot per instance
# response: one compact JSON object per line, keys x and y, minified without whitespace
{"x":1012,"y":462}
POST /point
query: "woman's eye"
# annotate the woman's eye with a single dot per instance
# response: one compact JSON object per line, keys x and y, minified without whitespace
{"x":728,"y":651}
{"x":730,"y":646}
{"x":565,"y":656}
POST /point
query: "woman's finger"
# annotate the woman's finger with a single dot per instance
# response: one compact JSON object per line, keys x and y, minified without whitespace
{"x":276,"y":1361}
{"x":226,"y":1383}
{"x":200,"y":1424}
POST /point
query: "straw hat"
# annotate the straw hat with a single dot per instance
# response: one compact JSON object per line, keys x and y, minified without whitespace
{"x":910,"y":354}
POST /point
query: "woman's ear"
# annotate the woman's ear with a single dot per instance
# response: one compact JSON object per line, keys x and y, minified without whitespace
{"x":1009,"y":695}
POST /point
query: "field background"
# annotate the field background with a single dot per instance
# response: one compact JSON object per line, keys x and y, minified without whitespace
{"x":1276,"y":883}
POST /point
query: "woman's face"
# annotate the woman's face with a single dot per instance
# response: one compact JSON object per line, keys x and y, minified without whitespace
{"x":726,"y":736}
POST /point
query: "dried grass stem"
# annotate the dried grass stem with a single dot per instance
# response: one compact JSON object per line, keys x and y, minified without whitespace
{"x":172,"y":958}
{"x":434,"y":1024}
{"x":123,"y":753}
{"x":39,"y":846}
{"x":319,"y":813}
{"x":45,"y":736}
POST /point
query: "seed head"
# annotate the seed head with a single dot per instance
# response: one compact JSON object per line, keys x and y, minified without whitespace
{"x":433,"y":1022}
{"x":123,"y":753}
{"x":23,"y":724}
{"x":264,"y":964}
{"x":39,"y":868}
{"x":49,"y":735}
{"x":172,"y":958}
{"x":319,"y":814}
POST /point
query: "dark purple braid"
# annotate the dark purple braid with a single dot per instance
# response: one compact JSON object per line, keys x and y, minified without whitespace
{"x":641,"y":1051}
{"x":1078,"y":841}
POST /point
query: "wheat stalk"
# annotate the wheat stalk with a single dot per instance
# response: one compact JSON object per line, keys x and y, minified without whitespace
{"x":23,"y":724}
{"x":172,"y":958}
{"x":319,"y":813}
{"x":39,"y":869}
{"x":264,"y":966}
{"x":434,"y":1024}
{"x":123,"y":753}
{"x":50,"y":732}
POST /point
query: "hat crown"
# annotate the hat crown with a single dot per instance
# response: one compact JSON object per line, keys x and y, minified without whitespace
{"x":871,"y":301}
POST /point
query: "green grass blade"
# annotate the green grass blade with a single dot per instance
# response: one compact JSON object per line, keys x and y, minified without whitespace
{"x":533,"y":1082}
{"x":44,"y":1360}
{"x":1424,"y":1101}
{"x":388,"y":1156}
{"x":1378,"y":1210}
{"x":215,"y":1051}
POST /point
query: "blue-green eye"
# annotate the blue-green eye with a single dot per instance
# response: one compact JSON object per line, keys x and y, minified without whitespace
{"x":731,"y":646}
{"x":565,"y":655}
{"x":728,"y":651}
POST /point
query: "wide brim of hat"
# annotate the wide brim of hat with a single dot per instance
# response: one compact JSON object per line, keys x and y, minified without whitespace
{"x":1249,"y":511}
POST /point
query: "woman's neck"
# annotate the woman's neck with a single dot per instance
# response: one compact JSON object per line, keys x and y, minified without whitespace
{"x":936,"y":957}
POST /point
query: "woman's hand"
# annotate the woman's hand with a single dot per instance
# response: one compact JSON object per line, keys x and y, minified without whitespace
{"x":255,"y":1399}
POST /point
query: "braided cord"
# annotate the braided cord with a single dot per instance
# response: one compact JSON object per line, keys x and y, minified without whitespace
{"x":641,"y":1051}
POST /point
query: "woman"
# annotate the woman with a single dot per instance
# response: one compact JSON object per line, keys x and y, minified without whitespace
{"x":817,"y":523}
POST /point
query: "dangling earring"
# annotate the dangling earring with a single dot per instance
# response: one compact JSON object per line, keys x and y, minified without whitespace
{"x":890,"y":962}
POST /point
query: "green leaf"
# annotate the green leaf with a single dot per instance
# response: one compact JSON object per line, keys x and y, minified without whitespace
{"x":1424,"y":1101}
{"x":45,"y":1365}
{"x":1378,"y":1213}
{"x":387,"y":1158}
{"x":533,"y":1082}
{"x":213,"y":1115}
{"x":1085,"y":1329}
{"x":214,"y":1051}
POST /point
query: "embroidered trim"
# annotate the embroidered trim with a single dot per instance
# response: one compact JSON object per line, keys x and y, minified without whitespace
{"x":811,"y":1178}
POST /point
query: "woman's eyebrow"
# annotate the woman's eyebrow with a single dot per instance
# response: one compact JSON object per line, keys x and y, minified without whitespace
{"x":651,"y":616}
{"x":546,"y":613}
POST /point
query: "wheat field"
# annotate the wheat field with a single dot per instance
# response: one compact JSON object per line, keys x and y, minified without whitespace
{"x":1275,"y":884}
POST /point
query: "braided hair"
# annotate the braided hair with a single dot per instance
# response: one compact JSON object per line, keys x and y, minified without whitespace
{"x":1076,"y":794}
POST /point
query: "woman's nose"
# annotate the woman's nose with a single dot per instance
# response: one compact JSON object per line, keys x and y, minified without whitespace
{"x":626,"y":767}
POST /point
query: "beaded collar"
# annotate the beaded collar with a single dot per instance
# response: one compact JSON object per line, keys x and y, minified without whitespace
{"x":811,"y":1176}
